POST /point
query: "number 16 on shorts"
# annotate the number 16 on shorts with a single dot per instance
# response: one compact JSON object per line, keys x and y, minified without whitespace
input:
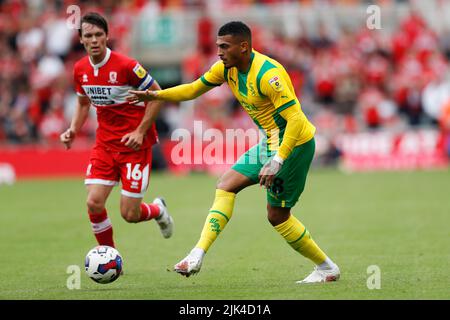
{"x":135,"y":181}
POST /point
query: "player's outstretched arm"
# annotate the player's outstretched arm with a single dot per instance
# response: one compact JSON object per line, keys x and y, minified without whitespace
{"x":179,"y":93}
{"x":79,"y":118}
{"x":137,"y":96}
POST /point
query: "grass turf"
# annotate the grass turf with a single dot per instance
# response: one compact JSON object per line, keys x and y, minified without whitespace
{"x":396,"y":221}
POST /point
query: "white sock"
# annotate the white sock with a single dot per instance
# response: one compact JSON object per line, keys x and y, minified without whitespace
{"x":197,"y":253}
{"x":326,"y":265}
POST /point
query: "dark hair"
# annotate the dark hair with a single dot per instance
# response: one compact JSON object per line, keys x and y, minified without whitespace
{"x":95,"y":19}
{"x":236,"y":28}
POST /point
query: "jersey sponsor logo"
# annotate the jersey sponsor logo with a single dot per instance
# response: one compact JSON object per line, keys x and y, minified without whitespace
{"x":275,"y":83}
{"x":139,"y":71}
{"x":107,"y":95}
{"x":100,"y":96}
{"x":112,"y":77}
{"x":91,"y":90}
{"x":248,"y":106}
{"x":252,"y":89}
{"x":85,"y":78}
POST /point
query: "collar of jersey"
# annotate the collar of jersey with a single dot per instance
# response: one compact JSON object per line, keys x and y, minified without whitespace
{"x":252,"y":55}
{"x":103,"y":62}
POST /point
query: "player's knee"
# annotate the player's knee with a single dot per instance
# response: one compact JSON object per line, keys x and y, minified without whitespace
{"x":95,"y":205}
{"x":277,"y":215}
{"x":130,"y":215}
{"x":221,"y":185}
{"x":225,"y":185}
{"x":233,"y":181}
{"x":273,"y":219}
{"x":130,"y":218}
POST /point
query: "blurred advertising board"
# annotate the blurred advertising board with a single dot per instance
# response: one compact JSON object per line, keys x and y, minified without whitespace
{"x":409,"y":150}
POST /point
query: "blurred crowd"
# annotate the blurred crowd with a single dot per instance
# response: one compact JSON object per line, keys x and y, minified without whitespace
{"x":361,"y":80}
{"x":350,"y":81}
{"x":37,"y":54}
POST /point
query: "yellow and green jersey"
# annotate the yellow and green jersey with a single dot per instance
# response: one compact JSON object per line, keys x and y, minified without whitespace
{"x":264,"y":91}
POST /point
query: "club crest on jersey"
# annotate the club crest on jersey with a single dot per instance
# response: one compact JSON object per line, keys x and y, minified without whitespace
{"x":85,"y":78}
{"x":275,"y":83}
{"x":139,"y":71}
{"x":112,"y":77}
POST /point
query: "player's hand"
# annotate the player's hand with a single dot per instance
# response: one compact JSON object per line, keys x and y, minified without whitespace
{"x":268,"y":173}
{"x":67,"y":138}
{"x":139,"y":96}
{"x":133,"y":140}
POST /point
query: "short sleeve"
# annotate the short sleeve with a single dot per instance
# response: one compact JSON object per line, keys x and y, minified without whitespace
{"x":274,"y":86}
{"x":139,"y":77}
{"x":215,"y":76}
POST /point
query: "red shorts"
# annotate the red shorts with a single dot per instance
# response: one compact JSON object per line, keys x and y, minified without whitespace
{"x":131,"y":168}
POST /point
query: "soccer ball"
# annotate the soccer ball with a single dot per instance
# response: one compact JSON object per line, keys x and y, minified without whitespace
{"x":103,"y":264}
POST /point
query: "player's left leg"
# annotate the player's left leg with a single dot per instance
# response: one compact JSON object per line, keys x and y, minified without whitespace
{"x":134,"y":210}
{"x":244,"y":173}
{"x":230,"y":183}
{"x":282,"y":196}
{"x":135,"y":175}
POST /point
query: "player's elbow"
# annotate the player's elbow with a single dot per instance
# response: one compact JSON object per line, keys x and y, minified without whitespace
{"x":294,"y":117}
{"x":294,"y":125}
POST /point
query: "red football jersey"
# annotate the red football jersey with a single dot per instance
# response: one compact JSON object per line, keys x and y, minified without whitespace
{"x":107,"y":84}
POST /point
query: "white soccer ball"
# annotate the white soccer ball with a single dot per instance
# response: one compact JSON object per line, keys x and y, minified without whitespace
{"x":103,"y":264}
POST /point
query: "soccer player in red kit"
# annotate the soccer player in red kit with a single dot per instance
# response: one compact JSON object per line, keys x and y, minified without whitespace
{"x":125,"y":133}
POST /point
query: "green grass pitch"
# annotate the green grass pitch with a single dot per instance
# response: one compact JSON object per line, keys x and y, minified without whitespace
{"x":396,"y":221}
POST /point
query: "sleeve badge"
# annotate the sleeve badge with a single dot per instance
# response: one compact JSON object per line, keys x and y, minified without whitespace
{"x":139,"y":71}
{"x":276,"y":84}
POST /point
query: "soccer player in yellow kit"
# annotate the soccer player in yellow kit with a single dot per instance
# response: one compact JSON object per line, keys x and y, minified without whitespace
{"x":280,"y":161}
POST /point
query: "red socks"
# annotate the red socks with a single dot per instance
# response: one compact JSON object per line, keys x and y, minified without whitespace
{"x":149,"y":211}
{"x":102,"y":228}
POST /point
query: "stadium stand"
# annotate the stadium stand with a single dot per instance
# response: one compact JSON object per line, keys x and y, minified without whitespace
{"x":350,"y":79}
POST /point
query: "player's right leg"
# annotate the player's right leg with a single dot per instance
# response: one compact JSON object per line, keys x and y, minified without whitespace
{"x":232,"y":181}
{"x":282,"y":196}
{"x":299,"y":238}
{"x":101,"y":177}
{"x":101,"y":225}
